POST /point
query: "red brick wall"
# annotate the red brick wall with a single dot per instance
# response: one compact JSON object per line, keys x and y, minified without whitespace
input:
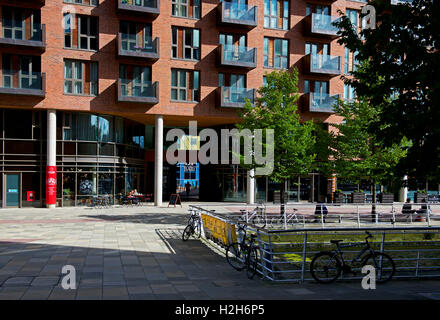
{"x":205,"y":112}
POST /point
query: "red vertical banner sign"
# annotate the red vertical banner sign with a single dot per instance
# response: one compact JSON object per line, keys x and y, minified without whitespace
{"x":51,"y":185}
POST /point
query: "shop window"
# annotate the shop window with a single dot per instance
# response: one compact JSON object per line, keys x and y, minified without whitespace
{"x":18,"y":124}
{"x":85,"y":148}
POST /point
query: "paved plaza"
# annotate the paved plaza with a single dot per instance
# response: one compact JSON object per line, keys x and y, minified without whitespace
{"x":137,"y":253}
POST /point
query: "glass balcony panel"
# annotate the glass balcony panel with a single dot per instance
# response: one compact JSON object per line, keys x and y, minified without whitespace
{"x":25,"y":81}
{"x":13,"y":29}
{"x":323,"y":63}
{"x":322,"y":101}
{"x":238,"y":11}
{"x":129,"y":44}
{"x":238,"y":54}
{"x":131,"y":89}
{"x":322,"y":23}
{"x":237,"y":95}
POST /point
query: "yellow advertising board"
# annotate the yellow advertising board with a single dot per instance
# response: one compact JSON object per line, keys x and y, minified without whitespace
{"x":219,"y":230}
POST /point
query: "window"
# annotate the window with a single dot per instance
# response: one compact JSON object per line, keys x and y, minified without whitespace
{"x":317,"y":48}
{"x":132,"y":34}
{"x":136,"y":81}
{"x":21,"y":24}
{"x":185,"y":43}
{"x":317,"y":9}
{"x":29,"y":75}
{"x":237,"y":81}
{"x":80,"y":77}
{"x":186,"y":8}
{"x":185,"y":85}
{"x":276,"y":53}
{"x":349,"y":93}
{"x":276,"y":14}
{"x":86,"y":27}
{"x":26,"y":76}
{"x":86,"y":2}
{"x":353,"y":15}
{"x":13,"y":23}
{"x":350,"y":61}
{"x":319,"y":88}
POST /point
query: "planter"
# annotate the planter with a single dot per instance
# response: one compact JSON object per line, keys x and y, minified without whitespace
{"x":358,"y":197}
{"x":386,"y":197}
{"x":338,"y":197}
{"x":418,"y":197}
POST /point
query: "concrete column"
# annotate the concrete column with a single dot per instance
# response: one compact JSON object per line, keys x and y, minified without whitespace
{"x":158,"y":163}
{"x":250,"y":194}
{"x":403,"y":192}
{"x":51,"y":174}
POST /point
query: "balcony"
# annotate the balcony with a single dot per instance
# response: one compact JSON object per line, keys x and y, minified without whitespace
{"x":150,"y":50}
{"x":234,"y":14}
{"x":232,"y":97}
{"x":237,"y":56}
{"x":23,"y":38}
{"x":148,"y":8}
{"x":324,"y":102}
{"x":322,"y":64}
{"x":19,"y":83}
{"x":145,"y":92}
{"x":321,"y":25}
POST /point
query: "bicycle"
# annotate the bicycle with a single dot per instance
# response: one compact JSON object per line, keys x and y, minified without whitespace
{"x":194,"y":226}
{"x":327,"y":266}
{"x":243,"y":254}
{"x":257,"y":217}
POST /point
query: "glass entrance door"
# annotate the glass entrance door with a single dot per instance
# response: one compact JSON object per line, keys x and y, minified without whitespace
{"x":12,"y":189}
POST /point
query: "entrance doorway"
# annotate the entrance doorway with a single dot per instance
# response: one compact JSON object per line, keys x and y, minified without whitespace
{"x":12,"y":190}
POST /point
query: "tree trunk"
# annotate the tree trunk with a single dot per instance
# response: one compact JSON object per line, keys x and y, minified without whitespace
{"x":373,"y":207}
{"x":282,"y":198}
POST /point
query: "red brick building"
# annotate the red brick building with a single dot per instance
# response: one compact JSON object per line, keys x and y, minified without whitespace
{"x":101,"y":77}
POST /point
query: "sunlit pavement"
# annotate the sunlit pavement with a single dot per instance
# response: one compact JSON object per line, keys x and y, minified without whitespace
{"x":137,"y":253}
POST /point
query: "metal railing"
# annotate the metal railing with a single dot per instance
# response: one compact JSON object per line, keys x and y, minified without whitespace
{"x":285,"y":254}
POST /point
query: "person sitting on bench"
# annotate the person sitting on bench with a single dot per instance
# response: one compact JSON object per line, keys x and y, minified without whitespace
{"x":407,"y":208}
{"x":425,"y":207}
{"x":320,"y":209}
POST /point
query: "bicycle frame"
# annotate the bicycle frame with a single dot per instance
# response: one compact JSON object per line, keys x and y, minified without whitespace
{"x":339,"y":252}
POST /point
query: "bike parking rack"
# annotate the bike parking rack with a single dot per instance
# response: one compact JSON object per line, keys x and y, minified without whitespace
{"x":289,"y":260}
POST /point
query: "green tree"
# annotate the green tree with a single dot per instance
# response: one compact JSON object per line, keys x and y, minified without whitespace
{"x":401,"y":58}
{"x":357,"y":154}
{"x":276,"y":108}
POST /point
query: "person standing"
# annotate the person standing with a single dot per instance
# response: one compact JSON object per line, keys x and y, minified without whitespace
{"x":188,"y":189}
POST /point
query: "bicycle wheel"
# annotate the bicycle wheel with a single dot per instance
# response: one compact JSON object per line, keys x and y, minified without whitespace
{"x":236,"y":256}
{"x":189,"y":230}
{"x":385,"y":267}
{"x":258,"y":221}
{"x":251,"y":263}
{"x":325,"y":267}
{"x":198,"y":228}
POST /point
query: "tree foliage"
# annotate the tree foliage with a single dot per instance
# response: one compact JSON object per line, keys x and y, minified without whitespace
{"x":355,"y":153}
{"x":276,"y":108}
{"x":400,"y":77}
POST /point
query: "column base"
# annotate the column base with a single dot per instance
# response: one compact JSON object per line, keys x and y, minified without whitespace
{"x":51,"y":206}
